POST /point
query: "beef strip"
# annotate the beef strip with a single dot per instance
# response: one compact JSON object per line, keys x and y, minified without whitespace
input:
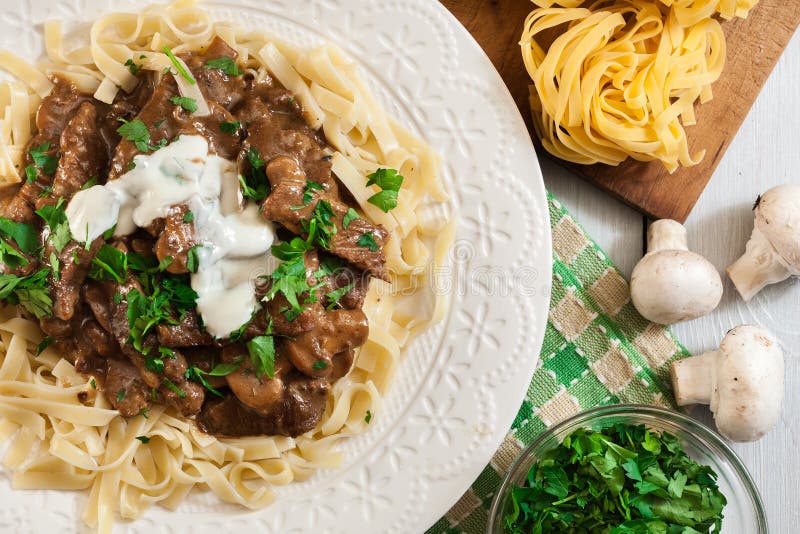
{"x":171,"y":387}
{"x":83,"y":155}
{"x":54,"y":112}
{"x":74,"y":263}
{"x":124,"y":387}
{"x":217,"y":86}
{"x":301,"y":408}
{"x":176,"y":240}
{"x":186,"y":333}
{"x":288,"y":183}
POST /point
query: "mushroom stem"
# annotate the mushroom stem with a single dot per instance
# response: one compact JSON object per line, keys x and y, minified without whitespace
{"x":693,"y":379}
{"x":759,"y":266}
{"x":666,"y":234}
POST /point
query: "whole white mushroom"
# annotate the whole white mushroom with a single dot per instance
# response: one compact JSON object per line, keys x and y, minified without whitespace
{"x":742,"y":382}
{"x":671,"y":284}
{"x":773,"y":252}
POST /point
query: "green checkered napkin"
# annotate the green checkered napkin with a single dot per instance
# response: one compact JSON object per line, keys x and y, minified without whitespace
{"x":597,"y":350}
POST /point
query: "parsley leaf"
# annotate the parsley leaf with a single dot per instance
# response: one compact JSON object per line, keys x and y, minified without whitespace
{"x":133,"y":67}
{"x":46,"y":342}
{"x":175,"y":389}
{"x":189,"y":104}
{"x":368,"y":417}
{"x":262,"y":353}
{"x":255,"y":184}
{"x":10,"y":256}
{"x":226,"y":64}
{"x":154,"y":364}
{"x":55,"y":265}
{"x":320,"y":228}
{"x":308,"y":191}
{"x":24,"y":235}
{"x":196,"y":374}
{"x":110,"y":263}
{"x":143,"y":439}
{"x":32,"y":173}
{"x":179,"y":66}
{"x":137,"y":132}
{"x":289,"y":250}
{"x":289,"y":278}
{"x":120,"y":395}
{"x":230,"y":127}
{"x":368,"y":240}
{"x":29,"y":291}
{"x":336,"y":295}
{"x":349,"y":217}
{"x":389,"y":181}
{"x":192,"y":259}
{"x":47,"y":163}
{"x":188,"y":217}
{"x":320,"y":364}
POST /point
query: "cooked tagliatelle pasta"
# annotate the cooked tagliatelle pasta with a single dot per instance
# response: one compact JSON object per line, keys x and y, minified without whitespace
{"x":622,"y":77}
{"x":63,"y":433}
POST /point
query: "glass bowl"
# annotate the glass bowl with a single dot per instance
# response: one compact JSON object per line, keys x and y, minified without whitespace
{"x":744,"y":512}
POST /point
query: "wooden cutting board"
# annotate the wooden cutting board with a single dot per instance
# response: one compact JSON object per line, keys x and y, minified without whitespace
{"x":753,"y":45}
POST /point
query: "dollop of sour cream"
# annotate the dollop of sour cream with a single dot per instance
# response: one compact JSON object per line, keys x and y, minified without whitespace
{"x":235,"y":242}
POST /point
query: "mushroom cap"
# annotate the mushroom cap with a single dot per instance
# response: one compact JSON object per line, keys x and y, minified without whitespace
{"x":670,"y":286}
{"x":749,"y":393}
{"x":778,"y":218}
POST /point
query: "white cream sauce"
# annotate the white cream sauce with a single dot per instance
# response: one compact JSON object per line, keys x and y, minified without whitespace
{"x":235,"y":242}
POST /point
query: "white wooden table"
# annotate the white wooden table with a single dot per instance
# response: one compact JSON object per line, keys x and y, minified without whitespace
{"x":765,"y":152}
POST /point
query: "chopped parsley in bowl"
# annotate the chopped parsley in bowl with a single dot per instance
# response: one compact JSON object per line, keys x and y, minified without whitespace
{"x":628,"y":469}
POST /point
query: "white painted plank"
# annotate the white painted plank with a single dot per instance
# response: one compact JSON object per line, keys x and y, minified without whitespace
{"x":766,"y":152}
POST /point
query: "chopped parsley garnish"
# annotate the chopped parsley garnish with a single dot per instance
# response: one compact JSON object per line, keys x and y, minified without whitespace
{"x":29,"y":291}
{"x":24,"y":235}
{"x":254,"y":184}
{"x":110,"y":263}
{"x":143,"y":439}
{"x":195,"y":374}
{"x":46,"y":163}
{"x":31,"y":173}
{"x":46,"y":342}
{"x":225,"y":64}
{"x":320,"y":364}
{"x":167,"y":353}
{"x":55,"y":217}
{"x":131,"y":165}
{"x":320,"y":228}
{"x":368,"y":417}
{"x":262,"y":354}
{"x":188,"y":217}
{"x":349,"y":217}
{"x":143,"y":413}
{"x":91,"y":182}
{"x":137,"y":132}
{"x":192,"y":259}
{"x":179,"y":66}
{"x":230,"y":127}
{"x":55,"y":265}
{"x":46,"y":191}
{"x":93,"y":383}
{"x":368,"y":240}
{"x":308,"y":191}
{"x":175,"y":389}
{"x":26,"y":238}
{"x":289,"y":250}
{"x":189,"y":104}
{"x":154,"y":364}
{"x":622,"y":479}
{"x":289,"y":278}
{"x":336,"y":295}
{"x":389,"y":182}
{"x":120,"y":395}
{"x":133,"y":67}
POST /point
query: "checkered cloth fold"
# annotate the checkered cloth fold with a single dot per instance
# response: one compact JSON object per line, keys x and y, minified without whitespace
{"x":597,"y":350}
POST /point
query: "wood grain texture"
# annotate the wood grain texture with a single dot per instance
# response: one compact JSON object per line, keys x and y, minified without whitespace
{"x":754,"y":46}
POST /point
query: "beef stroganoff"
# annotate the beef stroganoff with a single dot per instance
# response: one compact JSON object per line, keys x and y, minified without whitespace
{"x":205,"y":237}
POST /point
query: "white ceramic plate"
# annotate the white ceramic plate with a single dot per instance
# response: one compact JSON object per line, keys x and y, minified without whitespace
{"x":459,"y":386}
